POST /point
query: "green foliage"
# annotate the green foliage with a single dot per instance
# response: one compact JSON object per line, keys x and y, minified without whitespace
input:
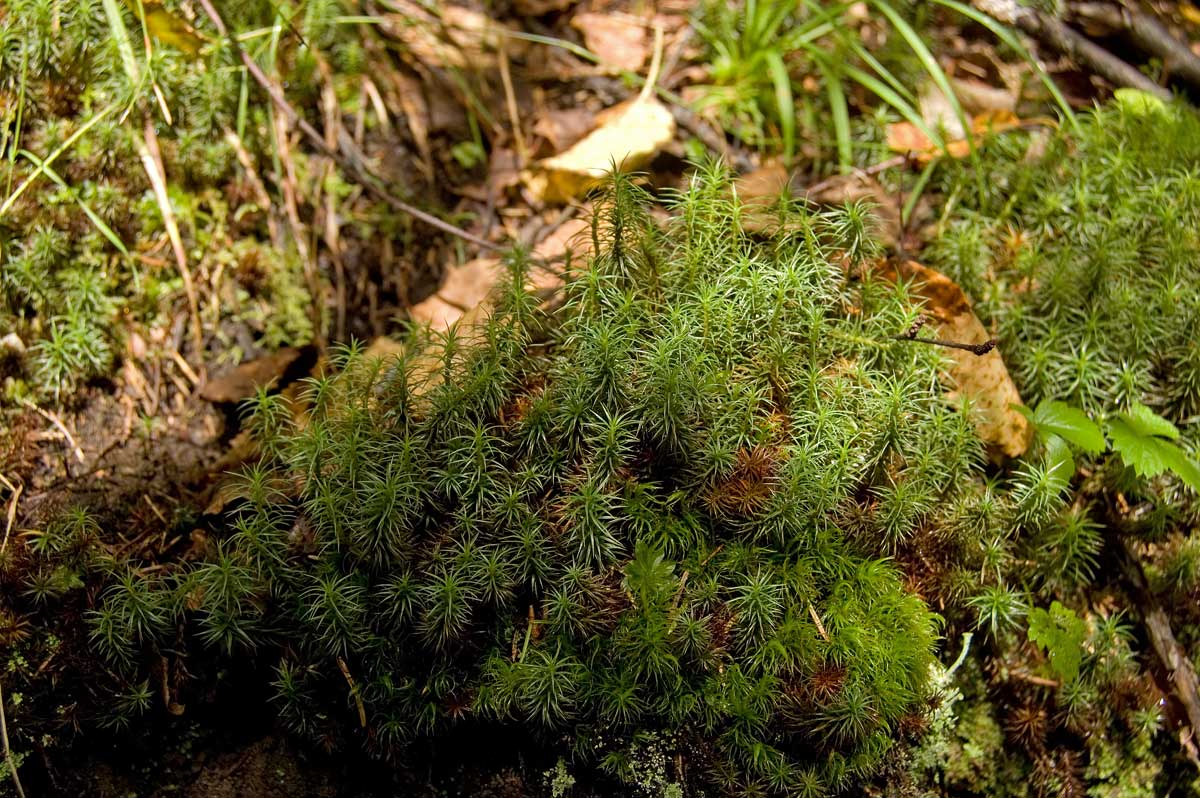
{"x":1091,"y":284}
{"x":77,"y":215}
{"x":1146,"y":442}
{"x":623,"y":516}
{"x":1060,"y":634}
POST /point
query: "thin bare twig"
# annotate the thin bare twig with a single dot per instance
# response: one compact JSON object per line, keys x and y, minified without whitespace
{"x":362,"y":711}
{"x":1158,"y":628}
{"x":354,"y":168}
{"x":510,"y":99}
{"x":1146,"y":32}
{"x":57,"y":422}
{"x":15,"y":490}
{"x":152,"y":162}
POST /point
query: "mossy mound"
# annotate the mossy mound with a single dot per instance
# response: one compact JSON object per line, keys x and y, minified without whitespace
{"x":663,"y":507}
{"x":1084,"y":257}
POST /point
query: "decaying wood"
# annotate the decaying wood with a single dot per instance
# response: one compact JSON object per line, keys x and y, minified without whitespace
{"x":1058,"y":36}
{"x":1150,"y":35}
{"x":1158,"y":628}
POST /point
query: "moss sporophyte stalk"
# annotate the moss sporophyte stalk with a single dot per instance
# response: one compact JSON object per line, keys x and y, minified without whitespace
{"x":667,"y":504}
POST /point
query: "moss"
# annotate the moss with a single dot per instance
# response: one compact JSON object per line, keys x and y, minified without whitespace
{"x":1084,"y":258}
{"x":622,"y":516}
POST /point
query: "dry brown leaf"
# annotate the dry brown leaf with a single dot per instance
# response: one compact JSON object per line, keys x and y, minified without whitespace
{"x":858,"y":186}
{"x":938,"y":112}
{"x":983,"y":379}
{"x":539,"y":8}
{"x":762,"y":186}
{"x":628,"y":135}
{"x":243,"y":380}
{"x":459,"y":38}
{"x":573,"y":235}
{"x":416,"y":114}
{"x":621,"y":44}
{"x":977,"y":96}
{"x":463,"y":291}
{"x":905,"y":137}
{"x":563,"y":127}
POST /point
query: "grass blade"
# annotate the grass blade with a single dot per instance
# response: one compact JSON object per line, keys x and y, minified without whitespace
{"x":1005,"y":35}
{"x":840,"y":111}
{"x":52,"y":157}
{"x":101,"y":226}
{"x":918,"y":189}
{"x":784,"y":100}
{"x":895,"y":101}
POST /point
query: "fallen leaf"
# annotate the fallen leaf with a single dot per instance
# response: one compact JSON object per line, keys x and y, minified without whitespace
{"x":563,"y":127}
{"x":573,"y":235}
{"x":621,"y":44}
{"x":539,"y":8}
{"x":169,"y":29}
{"x":628,"y":135}
{"x":243,"y":380}
{"x":416,"y":114}
{"x":938,"y":112}
{"x":456,"y":37}
{"x":905,"y":137}
{"x":764,"y":185}
{"x":463,"y":291}
{"x":977,"y":96}
{"x":983,"y":379}
{"x":855,"y":187}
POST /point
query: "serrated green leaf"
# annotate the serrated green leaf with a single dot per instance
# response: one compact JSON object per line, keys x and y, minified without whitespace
{"x":1148,"y":423}
{"x":1140,"y":452}
{"x":1072,"y":424}
{"x":1060,"y":634}
{"x":1181,"y":465}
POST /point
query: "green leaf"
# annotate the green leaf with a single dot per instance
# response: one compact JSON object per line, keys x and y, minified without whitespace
{"x":1145,"y":442}
{"x":1146,"y":422}
{"x":1140,"y":452}
{"x":1138,"y":102}
{"x":783,"y":99}
{"x":1181,"y":465}
{"x":1060,"y":461}
{"x":1060,"y":634}
{"x":1071,"y":423}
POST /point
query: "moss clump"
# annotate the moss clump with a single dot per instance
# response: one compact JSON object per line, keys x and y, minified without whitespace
{"x":1085,"y":258}
{"x":659,"y":508}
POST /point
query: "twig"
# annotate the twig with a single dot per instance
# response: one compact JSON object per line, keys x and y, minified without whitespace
{"x":1040,"y":681}
{"x":655,"y":65}
{"x":975,"y":349}
{"x":8,"y":757}
{"x":362,"y":711}
{"x":57,"y":422}
{"x":510,"y":99}
{"x":152,"y":162}
{"x":1158,"y":628}
{"x":1053,"y":33}
{"x":354,"y":169}
{"x":812,"y":611}
{"x":15,"y":490}
{"x":870,"y":171}
{"x":1146,"y":32}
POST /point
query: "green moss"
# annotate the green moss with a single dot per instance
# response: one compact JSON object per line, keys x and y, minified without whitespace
{"x":1084,"y":258}
{"x":622,"y":516}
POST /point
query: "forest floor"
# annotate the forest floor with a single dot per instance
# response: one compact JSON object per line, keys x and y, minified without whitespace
{"x":477,"y":120}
